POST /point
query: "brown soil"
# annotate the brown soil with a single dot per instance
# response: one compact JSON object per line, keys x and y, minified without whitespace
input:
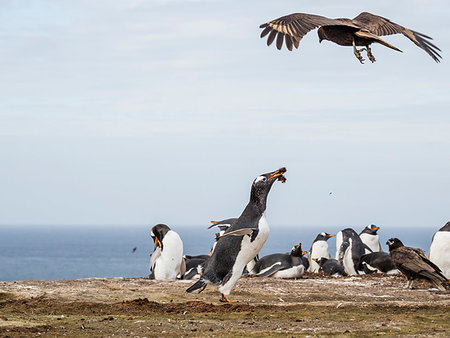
{"x":314,"y":305}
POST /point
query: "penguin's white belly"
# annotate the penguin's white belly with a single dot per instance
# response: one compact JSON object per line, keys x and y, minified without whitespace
{"x":372,"y":241}
{"x":167,"y":266}
{"x":294,"y":272}
{"x":248,"y":250}
{"x":348,"y":260}
{"x":439,"y":252}
{"x":319,"y":249}
{"x":338,"y":244}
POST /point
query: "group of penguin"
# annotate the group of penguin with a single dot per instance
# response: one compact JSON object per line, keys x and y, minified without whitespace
{"x":235,"y":251}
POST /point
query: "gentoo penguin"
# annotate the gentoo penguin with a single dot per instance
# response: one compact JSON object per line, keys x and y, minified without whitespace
{"x":370,"y":238}
{"x":242,"y":241}
{"x":439,"y":252}
{"x":413,"y":264}
{"x":194,"y":265}
{"x":349,"y":249}
{"x":319,"y":248}
{"x":281,"y":265}
{"x":167,"y":258}
{"x":379,"y":262}
{"x":223,"y":225}
{"x":330,"y":267}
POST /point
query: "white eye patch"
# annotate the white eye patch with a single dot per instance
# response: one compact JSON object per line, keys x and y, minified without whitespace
{"x":260,"y":178}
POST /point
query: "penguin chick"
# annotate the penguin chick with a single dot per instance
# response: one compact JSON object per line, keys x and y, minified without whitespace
{"x":319,"y":248}
{"x":167,"y":260}
{"x":330,"y":267}
{"x":413,"y":264}
{"x":241,"y":242}
{"x":281,"y":265}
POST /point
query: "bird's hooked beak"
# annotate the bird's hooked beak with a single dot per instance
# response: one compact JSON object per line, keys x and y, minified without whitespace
{"x":279,"y":173}
{"x":157,"y":242}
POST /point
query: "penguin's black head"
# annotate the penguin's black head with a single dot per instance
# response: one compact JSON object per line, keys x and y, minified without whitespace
{"x":321,"y":261}
{"x":158,"y":233}
{"x":446,"y":227}
{"x":297,"y":251}
{"x":262,"y":184}
{"x":323,"y":236}
{"x":394,"y":243}
{"x":371,"y":229}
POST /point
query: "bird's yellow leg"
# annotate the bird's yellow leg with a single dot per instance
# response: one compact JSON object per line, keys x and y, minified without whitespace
{"x":369,"y":54}
{"x":357,"y":52}
{"x":225,"y":299}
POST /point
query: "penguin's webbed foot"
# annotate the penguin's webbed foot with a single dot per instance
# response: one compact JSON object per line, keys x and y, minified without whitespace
{"x":203,"y":288}
{"x":225,"y":299}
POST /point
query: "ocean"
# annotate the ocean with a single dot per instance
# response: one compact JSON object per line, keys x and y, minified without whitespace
{"x":70,"y":252}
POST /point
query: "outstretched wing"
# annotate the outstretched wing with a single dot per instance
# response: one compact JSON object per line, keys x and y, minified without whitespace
{"x":382,"y":26}
{"x":291,"y":28}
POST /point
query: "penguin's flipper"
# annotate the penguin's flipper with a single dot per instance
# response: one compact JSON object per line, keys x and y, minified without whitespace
{"x":201,"y":283}
{"x":155,"y":255}
{"x":240,"y":232}
{"x":274,"y":268}
{"x":191,"y":273}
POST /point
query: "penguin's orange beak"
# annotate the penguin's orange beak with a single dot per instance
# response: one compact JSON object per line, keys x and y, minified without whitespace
{"x":213,"y":222}
{"x":314,"y":259}
{"x":332,"y":235}
{"x":157,"y":242}
{"x":304,"y":252}
{"x":376,"y":228}
{"x":277,"y":173}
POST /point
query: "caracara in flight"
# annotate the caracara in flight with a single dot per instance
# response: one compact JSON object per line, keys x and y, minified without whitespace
{"x":363,"y":30}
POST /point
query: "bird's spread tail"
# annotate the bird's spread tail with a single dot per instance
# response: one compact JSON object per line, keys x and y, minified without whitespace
{"x":201,"y":283}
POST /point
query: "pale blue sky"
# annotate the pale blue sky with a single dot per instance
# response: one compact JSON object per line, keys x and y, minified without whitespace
{"x":144,"y":112}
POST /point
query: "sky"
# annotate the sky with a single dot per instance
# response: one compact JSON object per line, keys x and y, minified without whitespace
{"x":164,"y":111}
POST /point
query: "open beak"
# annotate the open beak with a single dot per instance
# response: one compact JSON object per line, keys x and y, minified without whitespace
{"x":278,"y":173}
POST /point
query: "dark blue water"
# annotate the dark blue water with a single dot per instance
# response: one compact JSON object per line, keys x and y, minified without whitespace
{"x":68,"y":252}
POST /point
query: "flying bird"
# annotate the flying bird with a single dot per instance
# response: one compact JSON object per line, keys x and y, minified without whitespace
{"x":362,"y":30}
{"x":413,"y":264}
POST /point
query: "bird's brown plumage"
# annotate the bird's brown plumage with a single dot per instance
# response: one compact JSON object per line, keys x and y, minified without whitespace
{"x":413,"y":264}
{"x":363,"y":30}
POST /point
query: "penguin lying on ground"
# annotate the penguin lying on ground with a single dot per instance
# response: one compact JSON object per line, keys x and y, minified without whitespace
{"x":349,"y":249}
{"x":166,"y":261}
{"x":439,"y":252}
{"x":330,"y":267}
{"x":242,"y":241}
{"x":370,"y":238}
{"x":377,"y":262}
{"x":413,"y":264}
{"x":281,"y":265}
{"x":319,"y":248}
{"x":194,"y":265}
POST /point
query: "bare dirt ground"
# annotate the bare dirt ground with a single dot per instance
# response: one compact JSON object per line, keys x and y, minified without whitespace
{"x":312,"y":306}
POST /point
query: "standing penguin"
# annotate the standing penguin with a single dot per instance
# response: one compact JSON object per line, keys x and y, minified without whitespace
{"x":167,"y":260}
{"x":439,"y":252}
{"x":349,"y":249}
{"x":370,"y":238}
{"x":241,"y":241}
{"x":319,"y":249}
{"x":281,"y":265}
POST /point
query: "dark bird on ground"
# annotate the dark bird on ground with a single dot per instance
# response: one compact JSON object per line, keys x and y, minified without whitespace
{"x":362,"y":30}
{"x":377,"y":262}
{"x":242,"y":241}
{"x":413,"y":264}
{"x":330,"y":267}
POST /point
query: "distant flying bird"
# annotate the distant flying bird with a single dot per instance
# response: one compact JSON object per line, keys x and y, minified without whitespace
{"x":413,"y":264}
{"x":363,"y":30}
{"x":134,"y":249}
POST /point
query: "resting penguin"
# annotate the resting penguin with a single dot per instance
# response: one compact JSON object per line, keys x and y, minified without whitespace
{"x":194,"y":265}
{"x":330,"y":267}
{"x":242,"y":241}
{"x":379,"y":262}
{"x":349,"y":249}
{"x":167,"y":260}
{"x":413,"y":264}
{"x":319,"y":248}
{"x":281,"y":265}
{"x":370,"y":238}
{"x":439,"y":252}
